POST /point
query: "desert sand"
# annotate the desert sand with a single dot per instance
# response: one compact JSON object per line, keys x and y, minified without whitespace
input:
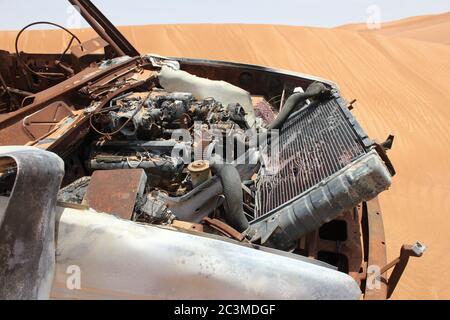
{"x":402,"y":84}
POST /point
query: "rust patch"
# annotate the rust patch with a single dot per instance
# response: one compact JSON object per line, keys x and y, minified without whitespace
{"x":115,"y":191}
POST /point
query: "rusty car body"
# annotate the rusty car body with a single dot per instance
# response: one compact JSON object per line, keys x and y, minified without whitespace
{"x":144,"y":215}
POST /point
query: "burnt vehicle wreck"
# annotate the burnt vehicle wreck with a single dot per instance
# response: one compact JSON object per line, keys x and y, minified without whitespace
{"x":217,"y":176}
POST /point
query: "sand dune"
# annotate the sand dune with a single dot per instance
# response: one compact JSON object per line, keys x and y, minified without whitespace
{"x":402,"y":87}
{"x":433,"y":28}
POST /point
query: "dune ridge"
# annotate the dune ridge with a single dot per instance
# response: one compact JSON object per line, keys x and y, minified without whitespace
{"x":402,"y":86}
{"x":432,"y":28}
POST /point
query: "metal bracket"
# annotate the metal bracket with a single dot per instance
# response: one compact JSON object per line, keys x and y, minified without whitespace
{"x":387,"y":144}
{"x":400,"y":264}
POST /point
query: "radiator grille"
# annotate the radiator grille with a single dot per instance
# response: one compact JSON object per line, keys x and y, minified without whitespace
{"x":313,"y":145}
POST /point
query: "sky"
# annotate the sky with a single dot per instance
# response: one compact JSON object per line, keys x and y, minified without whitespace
{"x":324,"y":13}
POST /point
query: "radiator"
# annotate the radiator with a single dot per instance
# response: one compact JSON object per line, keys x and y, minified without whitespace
{"x":326,"y":164}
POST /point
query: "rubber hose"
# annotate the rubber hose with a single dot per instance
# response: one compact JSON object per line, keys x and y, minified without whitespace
{"x":232,"y":190}
{"x":293,"y":101}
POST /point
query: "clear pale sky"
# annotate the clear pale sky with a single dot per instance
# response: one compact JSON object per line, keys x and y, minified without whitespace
{"x":323,"y":13}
